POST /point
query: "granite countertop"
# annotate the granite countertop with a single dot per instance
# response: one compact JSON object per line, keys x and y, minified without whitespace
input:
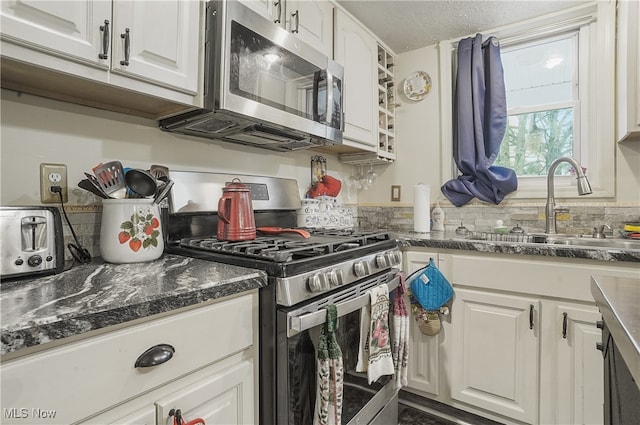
{"x":97,"y":295}
{"x":618,"y":300}
{"x":449,"y":240}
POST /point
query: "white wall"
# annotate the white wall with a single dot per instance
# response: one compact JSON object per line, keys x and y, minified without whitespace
{"x":35,"y":130}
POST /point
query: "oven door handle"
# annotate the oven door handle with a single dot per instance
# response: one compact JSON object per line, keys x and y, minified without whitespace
{"x":310,"y":320}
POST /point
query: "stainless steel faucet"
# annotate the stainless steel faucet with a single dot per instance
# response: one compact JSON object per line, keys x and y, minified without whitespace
{"x":584,"y":188}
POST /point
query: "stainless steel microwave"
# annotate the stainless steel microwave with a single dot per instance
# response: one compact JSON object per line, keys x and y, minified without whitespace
{"x":263,"y":86}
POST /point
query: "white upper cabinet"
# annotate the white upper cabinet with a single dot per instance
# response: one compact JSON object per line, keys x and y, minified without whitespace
{"x":357,"y":50}
{"x":311,"y":20}
{"x":155,"y":41}
{"x":70,"y":28}
{"x":628,"y":71}
{"x":109,"y":54}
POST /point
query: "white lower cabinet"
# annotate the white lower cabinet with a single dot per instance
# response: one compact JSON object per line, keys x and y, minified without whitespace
{"x":212,"y":373}
{"x":495,"y":353}
{"x":519,"y":345}
{"x":222,"y":394}
{"x":424,"y":354}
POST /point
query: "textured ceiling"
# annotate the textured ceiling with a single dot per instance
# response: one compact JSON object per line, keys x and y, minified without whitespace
{"x":407,"y":25}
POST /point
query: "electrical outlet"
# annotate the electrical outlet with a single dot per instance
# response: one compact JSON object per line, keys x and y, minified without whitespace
{"x":53,"y":175}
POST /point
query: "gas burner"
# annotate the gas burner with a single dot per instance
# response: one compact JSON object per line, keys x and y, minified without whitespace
{"x":285,"y":249}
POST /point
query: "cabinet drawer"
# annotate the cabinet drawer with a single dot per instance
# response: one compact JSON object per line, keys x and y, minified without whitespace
{"x":84,"y":377}
{"x":529,"y":274}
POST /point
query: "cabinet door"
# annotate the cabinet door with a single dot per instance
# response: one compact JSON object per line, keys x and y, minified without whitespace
{"x":164,"y":41}
{"x":495,"y":353}
{"x":422,"y":373}
{"x":67,"y":28}
{"x":266,"y":8}
{"x":143,"y":416}
{"x":226,"y":397}
{"x":579,"y":367}
{"x":357,"y":51}
{"x":313,"y":22}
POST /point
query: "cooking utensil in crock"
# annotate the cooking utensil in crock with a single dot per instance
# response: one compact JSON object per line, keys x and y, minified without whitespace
{"x":279,"y":230}
{"x":235,"y":212}
{"x":110,"y":176}
{"x":141,"y":182}
{"x":94,"y":181}
{"x":87,"y":185}
{"x":160,"y":172}
{"x":163,"y":192}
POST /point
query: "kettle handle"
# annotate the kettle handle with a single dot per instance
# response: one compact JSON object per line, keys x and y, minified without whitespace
{"x":222,"y":209}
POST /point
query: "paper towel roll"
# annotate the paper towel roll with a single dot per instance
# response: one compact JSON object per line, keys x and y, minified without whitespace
{"x":421,"y":208}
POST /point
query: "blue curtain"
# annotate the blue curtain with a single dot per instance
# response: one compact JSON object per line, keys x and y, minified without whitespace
{"x":479,"y":124}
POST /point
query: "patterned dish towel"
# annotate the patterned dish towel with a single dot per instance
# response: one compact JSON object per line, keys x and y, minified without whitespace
{"x":375,"y":347}
{"x":328,"y":410}
{"x":400,"y":344}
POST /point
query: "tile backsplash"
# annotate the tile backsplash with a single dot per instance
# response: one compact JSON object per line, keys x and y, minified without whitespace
{"x":482,"y":218}
{"x":479,"y":218}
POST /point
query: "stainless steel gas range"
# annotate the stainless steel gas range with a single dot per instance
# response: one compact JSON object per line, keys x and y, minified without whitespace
{"x":304,"y":275}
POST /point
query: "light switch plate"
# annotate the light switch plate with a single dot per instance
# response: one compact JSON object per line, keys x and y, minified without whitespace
{"x":395,"y":193}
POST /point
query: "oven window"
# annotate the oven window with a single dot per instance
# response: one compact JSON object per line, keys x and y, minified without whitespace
{"x":266,"y":73}
{"x":302,"y":349}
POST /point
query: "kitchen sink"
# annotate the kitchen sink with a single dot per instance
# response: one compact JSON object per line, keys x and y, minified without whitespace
{"x":556,"y":239}
{"x":590,"y":242}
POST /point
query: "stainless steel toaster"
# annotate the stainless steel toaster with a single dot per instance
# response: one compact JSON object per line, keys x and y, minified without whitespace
{"x":31,"y":241}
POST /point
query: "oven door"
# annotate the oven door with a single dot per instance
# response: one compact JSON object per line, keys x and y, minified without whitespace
{"x":298,"y":330}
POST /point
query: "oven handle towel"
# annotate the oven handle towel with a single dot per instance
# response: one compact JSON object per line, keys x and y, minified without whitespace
{"x":375,"y":348}
{"x":328,"y":410}
{"x":400,"y":344}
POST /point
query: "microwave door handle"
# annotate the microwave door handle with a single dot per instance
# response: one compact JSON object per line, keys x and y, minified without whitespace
{"x":307,"y":321}
{"x":317,"y":77}
{"x":329,"y":97}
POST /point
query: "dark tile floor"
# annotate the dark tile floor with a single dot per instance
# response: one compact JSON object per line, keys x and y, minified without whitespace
{"x":413,"y":410}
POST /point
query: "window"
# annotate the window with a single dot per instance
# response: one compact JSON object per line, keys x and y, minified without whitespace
{"x":542,"y":95}
{"x":559,"y":75}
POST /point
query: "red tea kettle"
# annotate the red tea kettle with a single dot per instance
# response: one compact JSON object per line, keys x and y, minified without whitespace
{"x":235,"y":213}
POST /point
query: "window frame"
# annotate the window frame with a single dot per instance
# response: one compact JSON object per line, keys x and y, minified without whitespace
{"x":595,"y":26}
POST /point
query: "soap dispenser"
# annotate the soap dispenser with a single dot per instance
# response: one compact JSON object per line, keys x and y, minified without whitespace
{"x":437,"y":218}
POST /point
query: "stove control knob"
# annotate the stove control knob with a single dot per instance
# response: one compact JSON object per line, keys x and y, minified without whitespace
{"x":395,"y":258}
{"x":360,"y":268}
{"x":334,"y":277}
{"x":314,"y":283}
{"x":382,"y":261}
{"x":34,"y":260}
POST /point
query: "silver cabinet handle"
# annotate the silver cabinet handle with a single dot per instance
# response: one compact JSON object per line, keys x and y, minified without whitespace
{"x":127,"y":47}
{"x":310,"y":320}
{"x":105,"y":40}
{"x":296,"y":15}
{"x":279,"y":5}
{"x":531,"y":316}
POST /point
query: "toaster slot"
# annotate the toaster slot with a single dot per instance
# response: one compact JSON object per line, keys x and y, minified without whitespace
{"x":34,"y":233}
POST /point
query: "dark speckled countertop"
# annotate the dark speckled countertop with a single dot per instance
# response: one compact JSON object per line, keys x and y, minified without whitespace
{"x":98,"y":295}
{"x":446,"y":240}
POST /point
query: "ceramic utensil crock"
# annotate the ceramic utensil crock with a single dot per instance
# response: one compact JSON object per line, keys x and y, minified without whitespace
{"x":130,"y":231}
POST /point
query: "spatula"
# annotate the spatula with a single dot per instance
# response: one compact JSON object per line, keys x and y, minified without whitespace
{"x":110,"y":176}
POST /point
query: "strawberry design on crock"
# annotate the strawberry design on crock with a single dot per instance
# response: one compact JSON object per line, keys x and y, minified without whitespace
{"x":141,"y":231}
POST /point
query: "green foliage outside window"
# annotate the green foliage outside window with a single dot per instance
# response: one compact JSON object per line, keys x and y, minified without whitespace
{"x":534,"y":140}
